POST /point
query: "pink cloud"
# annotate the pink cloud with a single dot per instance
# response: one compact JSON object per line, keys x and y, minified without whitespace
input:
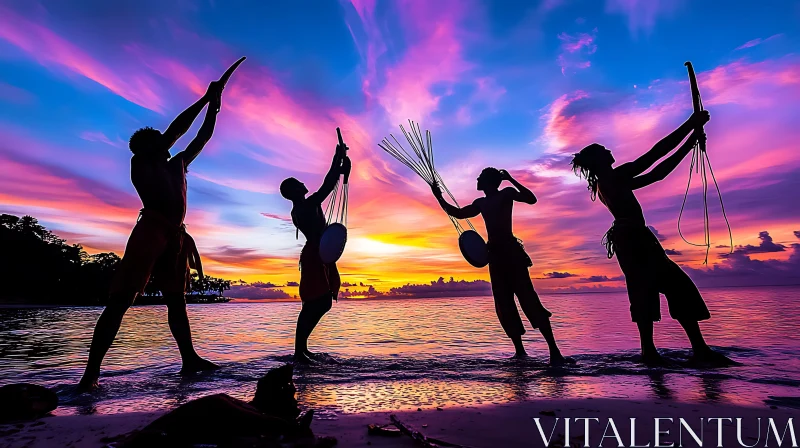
{"x":277,"y":217}
{"x":563,"y":131}
{"x":757,"y":41}
{"x":572,"y":43}
{"x":575,"y":50}
{"x":433,"y":57}
{"x":91,"y":136}
{"x":282,"y":131}
{"x":483,"y":101}
{"x":52,"y":50}
{"x":752,"y":84}
{"x":56,"y":195}
{"x":372,"y":47}
{"x":437,"y":59}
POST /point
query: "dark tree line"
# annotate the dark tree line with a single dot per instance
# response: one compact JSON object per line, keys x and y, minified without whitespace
{"x":39,"y":267}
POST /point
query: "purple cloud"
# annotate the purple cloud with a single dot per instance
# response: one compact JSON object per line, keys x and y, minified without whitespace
{"x":277,"y":217}
{"x":601,"y":278}
{"x":233,"y":255}
{"x":738,"y":269}
{"x":672,"y":252}
{"x":264,"y":285}
{"x":575,"y":49}
{"x":655,"y":232}
{"x":766,"y":246}
{"x":255,"y":292}
{"x":555,"y":274}
{"x":757,"y":41}
{"x":442,"y":288}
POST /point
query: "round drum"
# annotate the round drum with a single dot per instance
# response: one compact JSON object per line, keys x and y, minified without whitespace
{"x":473,"y":248}
{"x":331,"y":245}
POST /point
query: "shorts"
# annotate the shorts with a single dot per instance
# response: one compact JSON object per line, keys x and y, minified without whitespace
{"x":317,"y":278}
{"x":155,"y":248}
{"x":649,"y":272}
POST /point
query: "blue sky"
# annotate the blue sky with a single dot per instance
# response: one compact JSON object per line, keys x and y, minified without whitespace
{"x":513,"y":84}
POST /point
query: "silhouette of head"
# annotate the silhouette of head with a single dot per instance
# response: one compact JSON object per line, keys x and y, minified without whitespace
{"x":148,"y":142}
{"x":489,"y":179}
{"x":292,"y":189}
{"x":589,"y":161}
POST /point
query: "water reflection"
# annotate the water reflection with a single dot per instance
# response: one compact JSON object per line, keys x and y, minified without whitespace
{"x":404,"y":354}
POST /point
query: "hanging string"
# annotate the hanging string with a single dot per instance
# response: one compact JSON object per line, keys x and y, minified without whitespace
{"x":420,"y":160}
{"x":330,"y":208}
{"x":336,"y":209}
{"x":701,"y":164}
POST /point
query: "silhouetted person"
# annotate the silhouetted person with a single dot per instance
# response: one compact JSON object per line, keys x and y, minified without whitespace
{"x":508,"y":261}
{"x":648,"y":271}
{"x":159,"y":244}
{"x":319,"y":282}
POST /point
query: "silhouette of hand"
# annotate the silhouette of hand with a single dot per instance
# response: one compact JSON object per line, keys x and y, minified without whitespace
{"x":214,"y":94}
{"x":346,"y":165}
{"x":700,"y":137}
{"x":436,"y":189}
{"x":504,"y":175}
{"x":701,"y":117}
{"x":341,"y":150}
{"x":214,"y":102}
{"x":214,"y":89}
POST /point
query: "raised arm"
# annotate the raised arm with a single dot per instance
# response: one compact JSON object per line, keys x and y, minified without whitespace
{"x":664,"y":146}
{"x":470,"y":211}
{"x":668,"y":165}
{"x":184,"y":121}
{"x":332,"y":177}
{"x":207,"y":129}
{"x":203,"y":136}
{"x":522,"y":193}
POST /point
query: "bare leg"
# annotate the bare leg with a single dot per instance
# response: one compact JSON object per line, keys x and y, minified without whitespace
{"x":519,"y":349}
{"x":556,"y":358}
{"x":179,"y":327}
{"x":104,"y":333}
{"x":537,"y":315}
{"x":650,"y":355}
{"x":307,"y":320}
{"x":702,"y":352}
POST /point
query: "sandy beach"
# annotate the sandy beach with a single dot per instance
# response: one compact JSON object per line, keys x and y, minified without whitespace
{"x":508,"y":425}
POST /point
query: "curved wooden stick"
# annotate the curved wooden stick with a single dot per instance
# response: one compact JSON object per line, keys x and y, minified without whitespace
{"x":697,"y":103}
{"x":226,"y":76}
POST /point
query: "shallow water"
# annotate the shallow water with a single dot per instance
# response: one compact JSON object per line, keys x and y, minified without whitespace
{"x":404,"y":354}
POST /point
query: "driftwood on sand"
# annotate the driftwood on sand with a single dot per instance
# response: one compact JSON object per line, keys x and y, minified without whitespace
{"x":421,"y":439}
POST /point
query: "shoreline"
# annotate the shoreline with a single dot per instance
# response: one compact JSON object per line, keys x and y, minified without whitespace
{"x":507,"y":425}
{"x":234,"y":300}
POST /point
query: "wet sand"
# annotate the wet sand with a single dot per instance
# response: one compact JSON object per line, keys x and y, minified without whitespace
{"x":507,"y":425}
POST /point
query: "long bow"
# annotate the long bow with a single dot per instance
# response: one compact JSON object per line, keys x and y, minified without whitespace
{"x":701,"y":164}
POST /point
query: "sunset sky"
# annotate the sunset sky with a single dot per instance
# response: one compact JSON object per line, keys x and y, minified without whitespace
{"x":511,"y":84}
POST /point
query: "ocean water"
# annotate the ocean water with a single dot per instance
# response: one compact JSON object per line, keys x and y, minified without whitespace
{"x":405,"y":354}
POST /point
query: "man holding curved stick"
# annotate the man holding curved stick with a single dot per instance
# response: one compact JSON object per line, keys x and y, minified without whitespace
{"x":159,"y":245}
{"x":648,"y":271}
{"x":508,"y":261}
{"x":319,"y":282}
